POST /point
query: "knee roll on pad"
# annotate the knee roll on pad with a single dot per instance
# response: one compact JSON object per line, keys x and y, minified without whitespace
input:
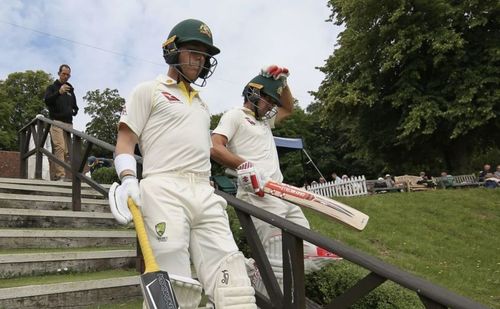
{"x":187,"y":291}
{"x":232,"y":286}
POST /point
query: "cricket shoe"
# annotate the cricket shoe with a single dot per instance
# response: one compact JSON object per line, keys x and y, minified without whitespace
{"x":319,"y":260}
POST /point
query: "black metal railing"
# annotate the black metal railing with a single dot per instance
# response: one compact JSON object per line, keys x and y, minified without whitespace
{"x":431,"y":295}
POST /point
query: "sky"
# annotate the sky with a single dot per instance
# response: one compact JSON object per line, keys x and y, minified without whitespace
{"x":116,"y":44}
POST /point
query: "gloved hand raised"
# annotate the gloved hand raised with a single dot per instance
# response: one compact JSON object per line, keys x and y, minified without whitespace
{"x":249,"y":179}
{"x":276,"y":72}
{"x":118,"y":198}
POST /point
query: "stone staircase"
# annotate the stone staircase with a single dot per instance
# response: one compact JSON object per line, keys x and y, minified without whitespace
{"x":53,"y":257}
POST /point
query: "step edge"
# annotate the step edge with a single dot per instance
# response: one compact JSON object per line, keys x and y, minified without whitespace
{"x":65,"y":287}
{"x":64,"y":256}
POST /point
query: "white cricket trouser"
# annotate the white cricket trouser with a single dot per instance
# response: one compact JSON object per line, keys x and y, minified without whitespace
{"x":184,"y":219}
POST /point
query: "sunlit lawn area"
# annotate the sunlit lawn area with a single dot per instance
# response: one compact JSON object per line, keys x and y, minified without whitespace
{"x":450,"y":237}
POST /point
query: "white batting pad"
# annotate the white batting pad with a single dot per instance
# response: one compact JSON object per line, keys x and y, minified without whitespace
{"x":233,"y":289}
{"x":187,"y":291}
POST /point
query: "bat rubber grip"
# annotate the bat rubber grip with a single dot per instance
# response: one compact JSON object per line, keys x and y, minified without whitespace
{"x":149,"y":258}
{"x":255,"y":185}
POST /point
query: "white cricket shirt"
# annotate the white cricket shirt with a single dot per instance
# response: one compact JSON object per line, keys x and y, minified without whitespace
{"x":173,"y":127}
{"x":252,"y":140}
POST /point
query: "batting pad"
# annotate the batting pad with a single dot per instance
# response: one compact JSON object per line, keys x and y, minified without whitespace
{"x":232,"y":288}
{"x":187,"y":291}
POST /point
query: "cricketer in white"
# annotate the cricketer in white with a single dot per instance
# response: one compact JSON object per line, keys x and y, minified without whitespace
{"x":184,"y":219}
{"x":243,"y":141}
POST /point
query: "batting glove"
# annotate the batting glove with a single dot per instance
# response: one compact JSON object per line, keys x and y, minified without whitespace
{"x":118,"y":198}
{"x":249,"y":179}
{"x":131,"y":187}
{"x":276,"y":72}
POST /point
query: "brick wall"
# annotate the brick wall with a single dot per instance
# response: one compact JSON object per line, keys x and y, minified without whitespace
{"x":9,"y":164}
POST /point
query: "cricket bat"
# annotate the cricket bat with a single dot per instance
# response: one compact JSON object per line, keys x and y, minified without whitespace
{"x":336,"y":210}
{"x":156,"y":286}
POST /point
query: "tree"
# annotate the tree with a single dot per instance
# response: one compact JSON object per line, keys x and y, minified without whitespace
{"x":414,"y":84}
{"x":21,"y":99}
{"x":104,"y":108}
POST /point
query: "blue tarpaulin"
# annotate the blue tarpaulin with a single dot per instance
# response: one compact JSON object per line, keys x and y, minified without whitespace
{"x":291,"y":143}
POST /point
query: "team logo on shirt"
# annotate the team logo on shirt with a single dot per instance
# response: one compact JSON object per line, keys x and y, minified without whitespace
{"x":170,"y":97}
{"x":160,"y":231}
{"x":250,"y":120}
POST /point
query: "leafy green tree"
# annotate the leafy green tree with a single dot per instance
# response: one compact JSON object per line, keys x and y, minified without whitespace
{"x":104,"y":108}
{"x":414,"y":84}
{"x":21,"y":99}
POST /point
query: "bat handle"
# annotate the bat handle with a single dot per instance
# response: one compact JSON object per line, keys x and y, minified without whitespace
{"x":256,"y":187}
{"x":149,"y":258}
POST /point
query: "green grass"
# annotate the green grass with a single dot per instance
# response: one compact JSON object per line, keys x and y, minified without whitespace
{"x":449,"y":237}
{"x":71,"y":277}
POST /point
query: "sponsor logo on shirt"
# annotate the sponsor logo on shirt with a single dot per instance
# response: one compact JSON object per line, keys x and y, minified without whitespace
{"x":250,"y":120}
{"x":170,"y":97}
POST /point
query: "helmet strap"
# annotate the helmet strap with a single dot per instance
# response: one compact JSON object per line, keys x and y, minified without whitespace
{"x":253,"y":97}
{"x":206,"y":71}
{"x":178,"y":68}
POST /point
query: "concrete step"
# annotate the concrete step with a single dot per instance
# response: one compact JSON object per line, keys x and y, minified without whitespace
{"x":27,"y":201}
{"x":37,"y":218}
{"x":44,"y":182}
{"x":43,"y":238}
{"x":120,"y":291}
{"x":34,"y":264}
{"x":81,"y":294}
{"x":39,"y":189}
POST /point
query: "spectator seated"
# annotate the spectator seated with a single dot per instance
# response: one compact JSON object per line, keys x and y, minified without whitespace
{"x":460,"y":181}
{"x":490,"y":181}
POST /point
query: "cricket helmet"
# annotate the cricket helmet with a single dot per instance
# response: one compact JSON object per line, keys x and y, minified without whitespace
{"x":191,"y":30}
{"x":267,"y":85}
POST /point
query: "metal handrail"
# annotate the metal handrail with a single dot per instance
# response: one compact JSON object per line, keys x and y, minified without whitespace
{"x":431,"y":295}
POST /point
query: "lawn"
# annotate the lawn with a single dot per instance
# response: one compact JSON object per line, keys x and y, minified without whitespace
{"x":449,"y":237}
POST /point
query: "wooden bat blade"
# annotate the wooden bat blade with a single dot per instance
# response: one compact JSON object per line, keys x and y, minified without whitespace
{"x":334,"y":209}
{"x":156,"y":286}
{"x":157,"y":291}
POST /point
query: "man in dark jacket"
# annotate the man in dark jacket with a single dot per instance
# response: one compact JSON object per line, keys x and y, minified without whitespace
{"x":61,"y":102}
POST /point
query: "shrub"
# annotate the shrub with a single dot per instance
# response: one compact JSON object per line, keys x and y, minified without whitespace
{"x":105,"y":175}
{"x":324,"y":285}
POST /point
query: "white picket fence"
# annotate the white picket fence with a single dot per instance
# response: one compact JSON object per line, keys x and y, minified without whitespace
{"x":353,"y":186}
